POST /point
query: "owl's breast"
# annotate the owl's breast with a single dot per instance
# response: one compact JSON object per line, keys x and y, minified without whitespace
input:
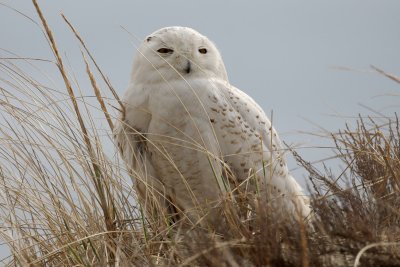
{"x":181,"y":101}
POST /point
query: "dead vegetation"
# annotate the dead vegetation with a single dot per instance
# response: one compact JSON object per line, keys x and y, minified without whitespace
{"x":65,"y":201}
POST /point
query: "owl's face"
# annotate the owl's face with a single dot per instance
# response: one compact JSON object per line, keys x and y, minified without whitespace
{"x":175,"y":53}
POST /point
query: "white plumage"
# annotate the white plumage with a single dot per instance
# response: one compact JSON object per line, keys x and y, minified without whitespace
{"x":184,"y":125}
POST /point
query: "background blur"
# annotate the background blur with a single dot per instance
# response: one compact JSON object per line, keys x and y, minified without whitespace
{"x":285,"y":54}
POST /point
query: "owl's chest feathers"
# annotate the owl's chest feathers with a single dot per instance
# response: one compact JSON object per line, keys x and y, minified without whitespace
{"x":179,"y":101}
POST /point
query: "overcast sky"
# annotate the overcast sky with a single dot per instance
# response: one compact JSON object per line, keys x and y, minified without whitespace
{"x":284,"y":54}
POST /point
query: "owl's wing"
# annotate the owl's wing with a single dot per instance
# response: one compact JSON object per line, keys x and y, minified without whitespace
{"x":130,"y":135}
{"x":253,"y":117}
{"x":258,"y":134}
{"x":131,"y":128}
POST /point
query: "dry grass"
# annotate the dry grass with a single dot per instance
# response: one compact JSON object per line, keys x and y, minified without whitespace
{"x":65,"y":201}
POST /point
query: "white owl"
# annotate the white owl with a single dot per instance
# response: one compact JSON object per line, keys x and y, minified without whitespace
{"x":184,"y":126}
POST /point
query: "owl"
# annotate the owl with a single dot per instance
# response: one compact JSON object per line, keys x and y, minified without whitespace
{"x":189,"y":137}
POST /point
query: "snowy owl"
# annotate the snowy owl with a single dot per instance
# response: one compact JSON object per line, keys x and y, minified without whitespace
{"x":185,"y":129}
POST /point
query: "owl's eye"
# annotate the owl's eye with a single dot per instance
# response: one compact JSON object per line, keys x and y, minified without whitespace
{"x":165,"y":50}
{"x":203,"y":51}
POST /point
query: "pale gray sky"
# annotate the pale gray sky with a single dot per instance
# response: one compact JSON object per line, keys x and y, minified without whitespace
{"x":282,"y":53}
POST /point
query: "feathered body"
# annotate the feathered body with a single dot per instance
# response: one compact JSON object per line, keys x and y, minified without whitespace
{"x":184,"y":126}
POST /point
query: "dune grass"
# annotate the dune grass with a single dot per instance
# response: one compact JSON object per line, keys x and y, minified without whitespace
{"x":65,"y":200}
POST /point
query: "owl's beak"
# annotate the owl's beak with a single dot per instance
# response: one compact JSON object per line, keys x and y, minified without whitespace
{"x":188,"y":67}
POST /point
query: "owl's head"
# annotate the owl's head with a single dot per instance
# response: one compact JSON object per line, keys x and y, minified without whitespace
{"x":175,"y":52}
